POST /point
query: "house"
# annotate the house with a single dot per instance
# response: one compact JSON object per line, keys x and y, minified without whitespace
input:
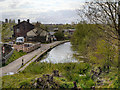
{"x":55,"y":29}
{"x":37,"y":35}
{"x":70,"y":31}
{"x":51,"y":37}
{"x":21,"y":29}
{"x":40,"y":35}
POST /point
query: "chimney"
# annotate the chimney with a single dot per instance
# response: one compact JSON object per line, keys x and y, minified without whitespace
{"x":28,"y":20}
{"x":6,"y":20}
{"x":18,"y":21}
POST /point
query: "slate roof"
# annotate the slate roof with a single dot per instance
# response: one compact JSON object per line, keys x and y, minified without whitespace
{"x":22,"y":23}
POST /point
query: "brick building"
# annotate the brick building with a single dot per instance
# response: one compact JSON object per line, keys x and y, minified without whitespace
{"x":21,"y":29}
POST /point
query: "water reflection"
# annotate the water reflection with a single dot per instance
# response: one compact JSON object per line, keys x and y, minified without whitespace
{"x":60,"y":54}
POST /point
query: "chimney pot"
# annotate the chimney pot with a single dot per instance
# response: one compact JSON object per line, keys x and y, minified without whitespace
{"x":28,"y":20}
{"x":18,"y":21}
{"x":6,"y":20}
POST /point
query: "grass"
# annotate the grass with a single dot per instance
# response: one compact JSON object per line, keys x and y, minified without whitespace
{"x":15,"y":81}
{"x":40,"y":68}
{"x":27,"y":62}
{"x":69,"y":72}
{"x":15,"y":56}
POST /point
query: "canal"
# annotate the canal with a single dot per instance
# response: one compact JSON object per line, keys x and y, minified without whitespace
{"x":60,"y":54}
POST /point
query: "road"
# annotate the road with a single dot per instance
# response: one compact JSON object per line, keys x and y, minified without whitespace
{"x":15,"y":65}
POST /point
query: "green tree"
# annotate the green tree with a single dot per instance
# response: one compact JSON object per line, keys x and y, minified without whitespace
{"x":59,"y":35}
{"x":89,"y":41}
{"x":83,"y":37}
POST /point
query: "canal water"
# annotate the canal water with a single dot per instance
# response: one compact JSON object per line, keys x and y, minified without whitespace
{"x":60,"y":54}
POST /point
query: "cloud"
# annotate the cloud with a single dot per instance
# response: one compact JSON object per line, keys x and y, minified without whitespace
{"x":63,"y":16}
{"x":2,"y":0}
{"x":46,"y":11}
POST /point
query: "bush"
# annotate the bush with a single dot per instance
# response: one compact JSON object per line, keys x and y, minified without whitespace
{"x":59,"y":35}
{"x":67,"y":85}
{"x":25,"y":84}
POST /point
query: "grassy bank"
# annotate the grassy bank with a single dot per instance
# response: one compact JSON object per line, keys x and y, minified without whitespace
{"x":14,"y":56}
{"x":69,"y":72}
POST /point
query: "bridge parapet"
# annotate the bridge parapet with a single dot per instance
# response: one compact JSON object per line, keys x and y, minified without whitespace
{"x":27,"y":47}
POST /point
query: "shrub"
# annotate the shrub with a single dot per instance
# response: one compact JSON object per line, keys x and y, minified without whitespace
{"x":59,"y":35}
{"x":67,"y":85}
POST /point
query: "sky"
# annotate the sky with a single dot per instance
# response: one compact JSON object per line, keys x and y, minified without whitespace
{"x":44,"y":11}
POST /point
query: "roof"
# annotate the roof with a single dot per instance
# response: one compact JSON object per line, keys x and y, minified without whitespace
{"x":32,"y":33}
{"x":23,"y":22}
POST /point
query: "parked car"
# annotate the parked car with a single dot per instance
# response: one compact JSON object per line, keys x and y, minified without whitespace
{"x":19,"y":40}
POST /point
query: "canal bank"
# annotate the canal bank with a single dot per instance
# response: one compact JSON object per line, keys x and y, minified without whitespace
{"x":49,"y":49}
{"x":60,"y":54}
{"x":15,"y":66}
{"x":43,"y":52}
{"x":67,"y":72}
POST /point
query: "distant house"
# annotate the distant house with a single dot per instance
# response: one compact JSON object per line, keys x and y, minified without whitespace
{"x":55,"y":29}
{"x":21,"y":29}
{"x":51,"y":37}
{"x":70,"y":31}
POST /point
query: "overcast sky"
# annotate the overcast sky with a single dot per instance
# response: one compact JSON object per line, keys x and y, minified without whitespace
{"x":44,"y":11}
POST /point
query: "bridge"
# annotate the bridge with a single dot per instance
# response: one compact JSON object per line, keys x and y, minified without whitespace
{"x":16,"y":66}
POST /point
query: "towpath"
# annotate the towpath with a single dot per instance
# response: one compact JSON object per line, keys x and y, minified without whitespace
{"x":15,"y":65}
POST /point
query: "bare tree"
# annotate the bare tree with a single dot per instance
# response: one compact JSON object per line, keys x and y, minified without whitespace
{"x":104,"y":15}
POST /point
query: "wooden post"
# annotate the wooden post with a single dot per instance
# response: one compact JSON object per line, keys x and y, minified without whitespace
{"x":75,"y":85}
{"x":22,"y":62}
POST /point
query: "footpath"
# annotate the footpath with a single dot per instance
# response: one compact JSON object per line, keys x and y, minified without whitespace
{"x":15,"y":66}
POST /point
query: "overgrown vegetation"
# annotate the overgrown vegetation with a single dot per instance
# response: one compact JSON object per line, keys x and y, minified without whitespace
{"x":102,"y":49}
{"x":69,"y":72}
{"x":89,"y":42}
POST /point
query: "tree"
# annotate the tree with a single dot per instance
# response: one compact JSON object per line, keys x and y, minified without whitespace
{"x":59,"y":35}
{"x":7,"y":30}
{"x":104,"y":15}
